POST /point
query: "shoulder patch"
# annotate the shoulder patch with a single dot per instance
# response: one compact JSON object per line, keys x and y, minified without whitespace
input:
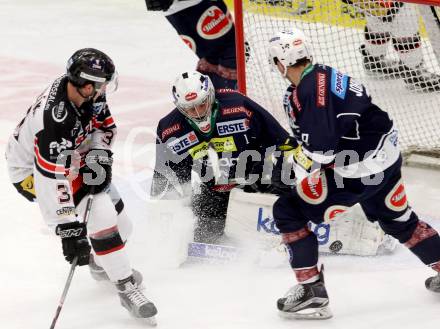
{"x":59,"y":112}
{"x":171,"y":130}
{"x":236,"y":110}
{"x":339,"y":83}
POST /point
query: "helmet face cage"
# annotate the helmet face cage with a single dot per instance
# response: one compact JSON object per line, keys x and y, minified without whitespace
{"x":92,"y":66}
{"x":288,"y":47}
{"x":190,"y":91}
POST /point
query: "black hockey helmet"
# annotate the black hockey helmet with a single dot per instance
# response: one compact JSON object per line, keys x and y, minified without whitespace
{"x":90,"y":65}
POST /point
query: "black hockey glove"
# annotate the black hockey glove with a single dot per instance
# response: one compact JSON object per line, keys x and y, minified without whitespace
{"x":98,"y":170}
{"x":282,"y":181}
{"x":158,"y":5}
{"x":74,"y":240}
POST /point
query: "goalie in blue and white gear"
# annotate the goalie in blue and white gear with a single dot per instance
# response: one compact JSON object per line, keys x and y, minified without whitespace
{"x":348,"y":147}
{"x":207,"y":133}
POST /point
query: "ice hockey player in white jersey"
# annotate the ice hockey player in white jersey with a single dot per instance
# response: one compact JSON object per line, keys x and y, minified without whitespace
{"x":396,"y":23}
{"x":66,"y":135}
{"x":348,"y":148}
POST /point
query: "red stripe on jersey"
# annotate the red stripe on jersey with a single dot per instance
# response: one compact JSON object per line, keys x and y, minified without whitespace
{"x":436,"y":266}
{"x":295,"y":236}
{"x":106,"y":252}
{"x":104,"y":233}
{"x":46,"y":165}
{"x":306,"y":274}
{"x":421,"y":233}
{"x":108,"y":122}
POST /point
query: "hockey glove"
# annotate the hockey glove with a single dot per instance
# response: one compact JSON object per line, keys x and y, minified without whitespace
{"x":98,"y":170}
{"x":74,"y":240}
{"x":158,"y":5}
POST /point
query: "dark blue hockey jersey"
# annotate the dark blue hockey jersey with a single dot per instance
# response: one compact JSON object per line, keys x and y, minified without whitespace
{"x":240,"y":125}
{"x":335,"y":122}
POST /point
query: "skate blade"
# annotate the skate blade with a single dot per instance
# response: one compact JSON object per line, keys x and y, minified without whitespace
{"x":151,"y":321}
{"x":322,"y":313}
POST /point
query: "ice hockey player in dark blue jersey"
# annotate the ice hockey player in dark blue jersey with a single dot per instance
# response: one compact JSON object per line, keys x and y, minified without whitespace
{"x":344,"y":151}
{"x":208,"y":29}
{"x":220,"y":134}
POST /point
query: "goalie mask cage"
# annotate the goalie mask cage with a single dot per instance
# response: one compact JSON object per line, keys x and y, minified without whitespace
{"x":335,"y":32}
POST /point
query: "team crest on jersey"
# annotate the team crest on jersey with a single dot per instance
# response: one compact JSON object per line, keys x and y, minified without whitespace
{"x":321,"y":90}
{"x":396,"y":200}
{"x":189,"y":42}
{"x":213,"y":23}
{"x":232,"y":127}
{"x":313,"y":189}
{"x":59,"y":112}
{"x":171,"y":130}
{"x":184,"y":142}
{"x":339,"y":84}
{"x":333,"y":211}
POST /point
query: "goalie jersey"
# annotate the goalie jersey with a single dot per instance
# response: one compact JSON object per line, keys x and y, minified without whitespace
{"x":238,"y":124}
{"x":52,"y":126}
{"x":336,"y":124}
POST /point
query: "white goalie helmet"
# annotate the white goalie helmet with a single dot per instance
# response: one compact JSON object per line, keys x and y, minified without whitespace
{"x":194,"y":95}
{"x":288,"y":47}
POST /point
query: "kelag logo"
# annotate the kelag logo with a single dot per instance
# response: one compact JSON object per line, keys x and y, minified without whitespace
{"x":322,"y":232}
{"x":266,"y":224}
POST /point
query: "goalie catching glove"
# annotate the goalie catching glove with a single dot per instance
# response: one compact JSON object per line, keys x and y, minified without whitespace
{"x":74,"y":240}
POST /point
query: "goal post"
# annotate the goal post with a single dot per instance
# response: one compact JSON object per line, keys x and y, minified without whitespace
{"x":336,"y":30}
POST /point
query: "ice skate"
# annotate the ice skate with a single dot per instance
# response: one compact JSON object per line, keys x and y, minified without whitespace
{"x":99,"y":274}
{"x":135,"y":301}
{"x":433,"y":283}
{"x":306,"y":301}
{"x":420,"y":79}
{"x":381,"y":66}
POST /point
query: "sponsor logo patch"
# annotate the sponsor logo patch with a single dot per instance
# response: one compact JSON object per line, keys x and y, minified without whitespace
{"x":313,"y":189}
{"x":321,"y":90}
{"x":183,"y":142}
{"x":237,"y":110}
{"x":332,"y":212}
{"x":56,"y":148}
{"x":339,"y":84}
{"x":222,"y":144}
{"x":232,"y":127}
{"x":171,"y":130}
{"x":59,"y":112}
{"x":213,"y":23}
{"x":189,"y":42}
{"x":356,"y":87}
{"x":66,"y":211}
{"x":190,"y":96}
{"x":396,"y":200}
{"x":296,"y":100}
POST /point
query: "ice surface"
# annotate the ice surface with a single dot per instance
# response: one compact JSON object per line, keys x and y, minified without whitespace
{"x":36,"y":39}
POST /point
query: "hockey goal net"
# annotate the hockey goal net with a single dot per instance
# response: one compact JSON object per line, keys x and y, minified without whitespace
{"x":402,"y":41}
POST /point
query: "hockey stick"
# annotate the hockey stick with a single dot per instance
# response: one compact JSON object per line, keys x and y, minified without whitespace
{"x":73,"y":266}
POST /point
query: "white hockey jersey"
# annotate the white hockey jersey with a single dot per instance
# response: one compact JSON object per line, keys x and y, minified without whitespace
{"x":52,"y":126}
